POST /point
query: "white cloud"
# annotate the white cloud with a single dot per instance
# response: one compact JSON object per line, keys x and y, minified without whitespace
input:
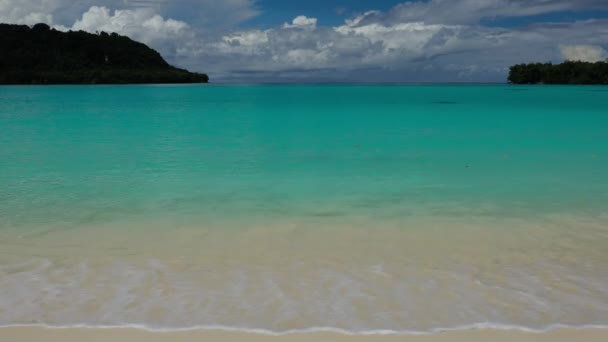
{"x":207,"y":14}
{"x":412,"y":36}
{"x":250,"y":38}
{"x":583,"y":53}
{"x":346,"y":46}
{"x":398,"y":52}
{"x":302,"y":21}
{"x":140,"y":24}
{"x":27,"y":12}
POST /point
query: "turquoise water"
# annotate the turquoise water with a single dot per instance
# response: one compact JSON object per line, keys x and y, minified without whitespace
{"x":71,"y":155}
{"x":106,"y":188}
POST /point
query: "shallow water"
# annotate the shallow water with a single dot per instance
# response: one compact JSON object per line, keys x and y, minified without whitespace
{"x":405,"y":208}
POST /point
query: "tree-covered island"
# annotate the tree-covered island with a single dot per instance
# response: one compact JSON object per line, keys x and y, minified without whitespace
{"x":42,"y":55}
{"x":569,"y":72}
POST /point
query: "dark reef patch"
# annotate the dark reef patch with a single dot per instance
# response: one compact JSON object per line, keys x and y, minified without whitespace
{"x":445,"y":102}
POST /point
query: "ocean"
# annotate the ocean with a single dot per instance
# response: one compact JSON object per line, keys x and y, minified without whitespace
{"x":362,"y":209}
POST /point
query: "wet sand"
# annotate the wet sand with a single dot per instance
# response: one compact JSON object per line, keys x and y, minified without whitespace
{"x":35,"y":334}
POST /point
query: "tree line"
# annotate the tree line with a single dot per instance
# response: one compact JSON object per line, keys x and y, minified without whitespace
{"x":569,"y":72}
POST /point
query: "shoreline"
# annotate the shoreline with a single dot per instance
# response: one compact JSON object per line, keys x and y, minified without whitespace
{"x":312,"y":330}
{"x":38,"y":333}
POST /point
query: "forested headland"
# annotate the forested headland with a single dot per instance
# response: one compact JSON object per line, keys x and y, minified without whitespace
{"x":42,"y":55}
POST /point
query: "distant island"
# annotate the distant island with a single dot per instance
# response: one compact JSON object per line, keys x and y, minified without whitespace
{"x":569,"y":72}
{"x":42,"y":55}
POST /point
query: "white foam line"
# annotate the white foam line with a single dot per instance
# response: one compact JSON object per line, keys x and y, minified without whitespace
{"x":478,"y":326}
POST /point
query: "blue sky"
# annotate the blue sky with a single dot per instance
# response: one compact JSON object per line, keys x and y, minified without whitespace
{"x":249,"y":41}
{"x":329,"y":12}
{"x":333,"y":12}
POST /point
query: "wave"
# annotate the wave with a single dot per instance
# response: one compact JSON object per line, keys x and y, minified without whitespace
{"x":434,"y":331}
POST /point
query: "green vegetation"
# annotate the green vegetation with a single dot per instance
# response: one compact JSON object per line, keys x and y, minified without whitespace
{"x":41,"y":55}
{"x":565,"y":73}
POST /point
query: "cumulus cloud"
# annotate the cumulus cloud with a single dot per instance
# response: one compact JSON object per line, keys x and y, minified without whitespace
{"x":583,"y":53}
{"x":140,"y":24}
{"x":27,"y":12}
{"x":409,"y":51}
{"x":302,"y":21}
{"x":347,"y":46}
{"x":207,"y":14}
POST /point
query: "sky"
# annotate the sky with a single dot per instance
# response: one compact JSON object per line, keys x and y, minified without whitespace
{"x":316,"y":41}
